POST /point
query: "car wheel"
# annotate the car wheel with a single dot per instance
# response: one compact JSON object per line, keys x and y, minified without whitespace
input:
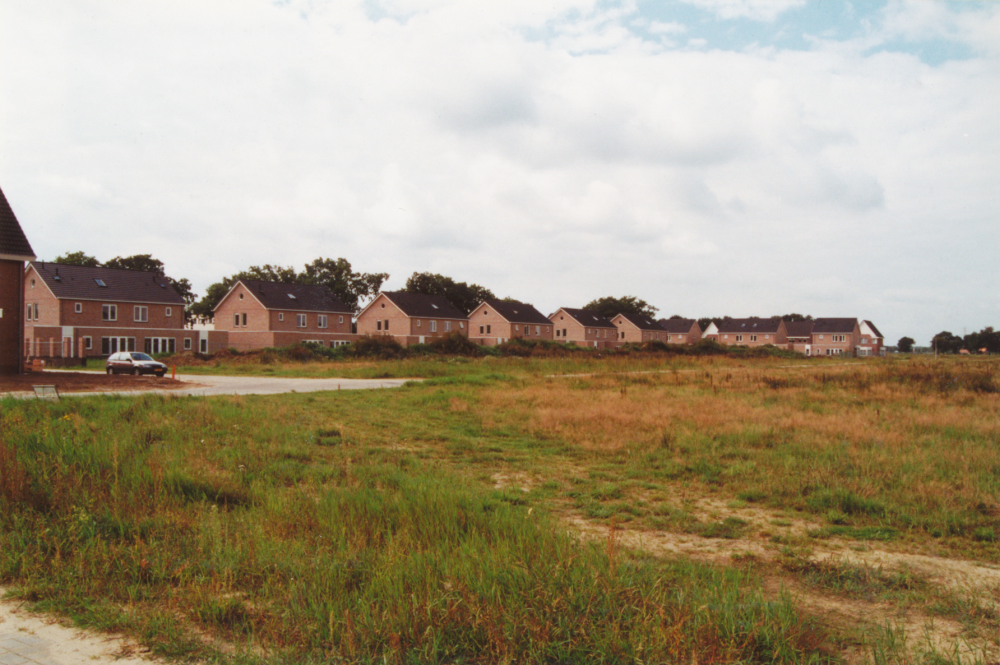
{"x":135,"y":371}
{"x":109,"y":370}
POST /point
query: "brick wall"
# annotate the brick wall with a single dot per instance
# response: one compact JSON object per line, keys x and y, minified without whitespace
{"x":372,"y":321}
{"x":12,"y":317}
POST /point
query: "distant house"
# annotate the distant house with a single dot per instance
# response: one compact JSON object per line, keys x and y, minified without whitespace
{"x":14,"y":251}
{"x":496,"y":321}
{"x":636,"y":329}
{"x":748,"y":332}
{"x":681,"y":331}
{"x":799,"y":334}
{"x":871,"y":342}
{"x":584,"y":328}
{"x":411,"y":318}
{"x":256,"y":314}
{"x":834,"y":337}
{"x":79,"y":311}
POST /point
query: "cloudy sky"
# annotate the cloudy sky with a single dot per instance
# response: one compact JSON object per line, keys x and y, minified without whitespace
{"x":712,"y":157}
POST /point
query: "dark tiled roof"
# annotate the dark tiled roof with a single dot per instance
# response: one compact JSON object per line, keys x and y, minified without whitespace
{"x":587,"y":318}
{"x":418,"y":304}
{"x":799,"y":328}
{"x":517,"y":312}
{"x":81,"y":283}
{"x":301,"y":297}
{"x":834,"y":325}
{"x":12,"y":240}
{"x":642,"y":322}
{"x":751,"y":325}
{"x":678,"y":325}
{"x":874,"y":329}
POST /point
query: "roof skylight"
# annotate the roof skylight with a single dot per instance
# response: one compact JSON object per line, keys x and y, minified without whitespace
{"x":100,"y":282}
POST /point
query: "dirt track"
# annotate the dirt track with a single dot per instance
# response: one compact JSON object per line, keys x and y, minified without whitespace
{"x":70,"y":382}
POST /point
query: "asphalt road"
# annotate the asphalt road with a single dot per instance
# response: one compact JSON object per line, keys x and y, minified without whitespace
{"x":256,"y":385}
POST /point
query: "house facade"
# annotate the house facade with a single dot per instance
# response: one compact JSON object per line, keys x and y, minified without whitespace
{"x":871,"y":342}
{"x":681,"y":331}
{"x":835,"y":337}
{"x":256,"y":315}
{"x":799,"y":335}
{"x":411,"y":318}
{"x":80,"y":311}
{"x":584,"y":328}
{"x":748,"y":332}
{"x":14,"y":251}
{"x":496,"y":321}
{"x":636,"y":329}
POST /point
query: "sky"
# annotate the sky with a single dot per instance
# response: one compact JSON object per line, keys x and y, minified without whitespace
{"x":712,"y":157}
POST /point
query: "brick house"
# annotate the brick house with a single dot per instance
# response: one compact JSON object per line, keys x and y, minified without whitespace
{"x":496,"y":321}
{"x":681,"y":331}
{"x":256,"y":314}
{"x":584,"y":328}
{"x":749,"y":332}
{"x":411,"y":318}
{"x":799,"y":335}
{"x":636,"y":329}
{"x":833,"y":337}
{"x":871,"y":343}
{"x":80,"y":311}
{"x":14,"y":251}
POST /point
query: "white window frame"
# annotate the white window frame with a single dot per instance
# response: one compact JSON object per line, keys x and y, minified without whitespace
{"x":321,"y":321}
{"x":236,"y":320}
{"x":301,"y":321}
{"x":169,"y":311}
{"x":281,"y":316}
{"x":88,"y":342}
{"x":418,"y":323}
{"x":739,"y":338}
{"x":434,"y":326}
{"x":140,"y":314}
{"x":78,"y":308}
{"x":447,"y":327}
{"x":753,"y":338}
{"x":340,"y":319}
{"x":109,"y":312}
{"x":187,"y":343}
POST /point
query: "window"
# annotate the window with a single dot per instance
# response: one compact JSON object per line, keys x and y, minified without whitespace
{"x":725,"y":337}
{"x":111,"y":345}
{"x":203,"y":345}
{"x":378,"y":325}
{"x":187,"y":343}
{"x":109,"y":313}
{"x":78,"y":307}
{"x":300,"y":320}
{"x":739,"y":338}
{"x":461,"y":325}
{"x":538,"y":330}
{"x":100,"y":283}
{"x":169,"y":311}
{"x":236,"y":320}
{"x":140,"y":313}
{"x":481,"y":330}
{"x":753,"y":338}
{"x":418,"y":323}
{"x":160,"y":345}
{"x":517,"y":328}
{"x":527,"y":331}
{"x":320,"y":320}
{"x":387,"y":324}
{"x":340,"y":319}
{"x":281,"y":316}
{"x":557,"y":332}
{"x":434,"y":326}
{"x":88,"y":343}
{"x":767,"y":337}
{"x":241,"y":296}
{"x":821,"y":337}
{"x":839,"y":338}
{"x":447,"y":327}
{"x":27,"y":312}
{"x":546,"y":328}
{"x":487,"y":330}
{"x":244,"y":315}
{"x":383,"y":305}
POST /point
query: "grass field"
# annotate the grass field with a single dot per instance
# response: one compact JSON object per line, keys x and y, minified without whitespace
{"x":579,"y":509}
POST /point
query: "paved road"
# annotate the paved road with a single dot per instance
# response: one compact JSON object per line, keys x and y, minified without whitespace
{"x":256,"y":385}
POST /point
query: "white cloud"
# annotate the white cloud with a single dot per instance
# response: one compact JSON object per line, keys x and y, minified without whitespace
{"x":757,"y":10}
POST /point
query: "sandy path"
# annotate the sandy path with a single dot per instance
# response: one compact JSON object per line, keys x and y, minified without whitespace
{"x":32,"y":639}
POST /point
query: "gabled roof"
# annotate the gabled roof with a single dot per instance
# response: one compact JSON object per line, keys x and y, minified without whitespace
{"x":834,"y":325}
{"x":873,"y":328}
{"x":517,"y":312}
{"x":641,"y":321}
{"x":799,"y":328}
{"x":13,"y":244}
{"x":424,"y":306}
{"x":300,"y":297}
{"x":678,"y":325}
{"x":751,"y":325}
{"x":587,"y":318}
{"x":85,"y":283}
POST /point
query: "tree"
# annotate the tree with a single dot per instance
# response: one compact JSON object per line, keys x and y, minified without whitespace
{"x":144,"y":262}
{"x":946,"y":342}
{"x":794,"y":317}
{"x":905,"y":344}
{"x":986,"y":338}
{"x":705,"y":321}
{"x":465,"y":297}
{"x":77,"y":259}
{"x":610,"y":307}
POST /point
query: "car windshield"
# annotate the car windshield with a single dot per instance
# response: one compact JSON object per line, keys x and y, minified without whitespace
{"x":140,"y":356}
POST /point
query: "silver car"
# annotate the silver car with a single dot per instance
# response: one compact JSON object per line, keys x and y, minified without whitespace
{"x":133,"y":362}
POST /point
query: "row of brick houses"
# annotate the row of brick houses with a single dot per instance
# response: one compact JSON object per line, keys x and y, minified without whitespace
{"x":76,"y":311}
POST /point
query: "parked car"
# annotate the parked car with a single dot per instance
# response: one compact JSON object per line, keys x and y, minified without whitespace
{"x":133,"y":362}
